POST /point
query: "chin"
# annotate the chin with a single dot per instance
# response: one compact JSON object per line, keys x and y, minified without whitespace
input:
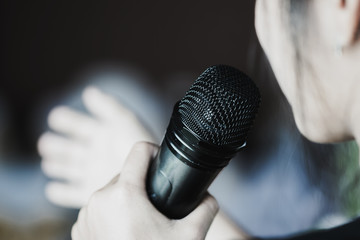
{"x":314,"y":136}
{"x":321,"y":131}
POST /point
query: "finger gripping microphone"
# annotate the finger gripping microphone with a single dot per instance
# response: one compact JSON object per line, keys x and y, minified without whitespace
{"x":207,"y":127}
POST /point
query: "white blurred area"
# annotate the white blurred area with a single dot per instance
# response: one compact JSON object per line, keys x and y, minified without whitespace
{"x":128,"y":85}
{"x":25,"y":212}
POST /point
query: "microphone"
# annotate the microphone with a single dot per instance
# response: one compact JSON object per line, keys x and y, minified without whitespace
{"x":208,"y":126}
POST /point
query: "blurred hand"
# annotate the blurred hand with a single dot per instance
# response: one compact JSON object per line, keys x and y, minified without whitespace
{"x":121,"y":210}
{"x":84,"y":152}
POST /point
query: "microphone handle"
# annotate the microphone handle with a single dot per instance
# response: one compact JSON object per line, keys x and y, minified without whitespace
{"x":174,"y":185}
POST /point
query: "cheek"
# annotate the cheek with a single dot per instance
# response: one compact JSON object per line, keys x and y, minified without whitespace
{"x":272,"y":35}
{"x":280,"y":51}
{"x":261,"y":16}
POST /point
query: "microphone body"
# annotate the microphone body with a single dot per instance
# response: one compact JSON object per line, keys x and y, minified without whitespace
{"x":207,"y":128}
{"x":175,"y":187}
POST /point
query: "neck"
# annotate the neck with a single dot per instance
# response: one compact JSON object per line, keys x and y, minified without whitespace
{"x":353,"y":102}
{"x":355,"y":120}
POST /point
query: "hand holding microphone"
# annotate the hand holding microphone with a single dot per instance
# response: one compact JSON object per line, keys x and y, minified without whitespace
{"x":122,"y":210}
{"x":208,"y":126}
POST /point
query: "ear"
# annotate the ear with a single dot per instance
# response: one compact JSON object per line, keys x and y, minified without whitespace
{"x":348,"y":13}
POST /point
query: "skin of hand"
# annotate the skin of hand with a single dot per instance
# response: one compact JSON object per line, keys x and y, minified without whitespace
{"x":121,"y":210}
{"x":83,"y":152}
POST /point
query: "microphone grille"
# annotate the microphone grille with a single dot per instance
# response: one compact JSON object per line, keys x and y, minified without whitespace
{"x":220,"y":106}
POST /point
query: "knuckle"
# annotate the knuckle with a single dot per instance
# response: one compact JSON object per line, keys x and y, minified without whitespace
{"x":144,"y":148}
{"x":212,"y":205}
{"x":41,"y":143}
{"x":82,"y":214}
{"x":141,"y":146}
{"x":55,"y":113}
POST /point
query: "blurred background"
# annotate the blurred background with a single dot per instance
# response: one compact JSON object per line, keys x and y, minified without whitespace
{"x":51,"y":49}
{"x":48,"y":46}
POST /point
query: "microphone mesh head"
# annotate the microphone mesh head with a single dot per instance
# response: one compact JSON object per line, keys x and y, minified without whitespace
{"x":220,"y":106}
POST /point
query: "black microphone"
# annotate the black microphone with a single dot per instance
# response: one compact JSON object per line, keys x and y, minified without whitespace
{"x":208,"y":126}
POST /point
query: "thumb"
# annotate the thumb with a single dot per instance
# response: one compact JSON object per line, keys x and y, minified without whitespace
{"x":204,"y":214}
